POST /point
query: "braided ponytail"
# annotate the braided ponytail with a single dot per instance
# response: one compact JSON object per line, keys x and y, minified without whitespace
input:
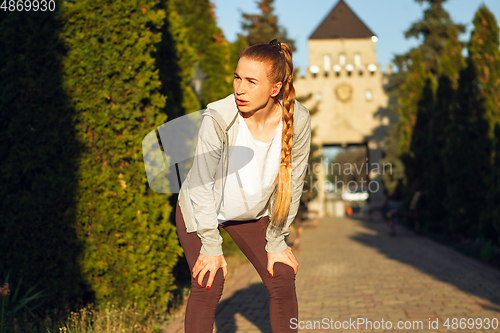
{"x":279,"y":56}
{"x":284,"y":178}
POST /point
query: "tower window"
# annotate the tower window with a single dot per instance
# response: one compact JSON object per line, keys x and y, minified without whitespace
{"x":327,"y":62}
{"x":342,"y":59}
{"x":368,"y":95}
{"x":357,"y":60}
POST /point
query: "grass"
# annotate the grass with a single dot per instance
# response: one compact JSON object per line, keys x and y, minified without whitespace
{"x":109,"y":318}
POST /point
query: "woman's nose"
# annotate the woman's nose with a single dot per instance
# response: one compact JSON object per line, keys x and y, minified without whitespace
{"x":239,"y":88}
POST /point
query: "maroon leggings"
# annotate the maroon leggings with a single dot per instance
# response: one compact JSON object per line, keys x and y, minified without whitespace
{"x":250,"y":236}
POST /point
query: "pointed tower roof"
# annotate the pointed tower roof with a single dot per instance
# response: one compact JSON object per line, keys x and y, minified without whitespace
{"x":342,"y":22}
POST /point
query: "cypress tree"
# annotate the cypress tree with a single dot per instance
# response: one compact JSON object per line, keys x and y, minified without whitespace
{"x":212,"y":49}
{"x":494,"y":194}
{"x":409,"y":102}
{"x":435,"y":29}
{"x":467,"y":157}
{"x":130,"y":246}
{"x":485,"y":55}
{"x":393,"y":168}
{"x":176,"y":59}
{"x":418,"y":161}
{"x":449,"y":66}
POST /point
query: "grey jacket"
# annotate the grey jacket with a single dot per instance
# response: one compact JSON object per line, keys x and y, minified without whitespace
{"x":202,"y":192}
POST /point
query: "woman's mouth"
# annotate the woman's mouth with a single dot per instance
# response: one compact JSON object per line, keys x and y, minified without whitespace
{"x":241,"y":102}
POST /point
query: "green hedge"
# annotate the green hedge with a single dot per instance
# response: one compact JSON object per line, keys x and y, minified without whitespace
{"x":110,"y":74}
{"x":39,"y":157}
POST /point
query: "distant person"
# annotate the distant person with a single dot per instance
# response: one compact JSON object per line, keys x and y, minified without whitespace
{"x":256,"y":203}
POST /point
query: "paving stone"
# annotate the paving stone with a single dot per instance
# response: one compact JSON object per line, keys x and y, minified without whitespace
{"x":350,"y":268}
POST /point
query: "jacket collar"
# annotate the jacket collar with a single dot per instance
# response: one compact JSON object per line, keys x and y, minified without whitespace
{"x":225,"y":111}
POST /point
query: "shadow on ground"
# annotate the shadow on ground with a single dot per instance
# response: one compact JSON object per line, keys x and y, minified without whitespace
{"x":432,"y":258}
{"x":249,"y":304}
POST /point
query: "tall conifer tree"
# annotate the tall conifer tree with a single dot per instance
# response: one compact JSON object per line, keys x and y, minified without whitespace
{"x":435,"y":29}
{"x":467,"y":157}
{"x":418,"y":161}
{"x":175,"y":59}
{"x":485,"y":55}
{"x":212,"y":49}
{"x":412,"y":94}
{"x":130,"y":246}
{"x":449,"y":66}
{"x":263,"y":27}
{"x":484,"y":49}
{"x":494,"y":194}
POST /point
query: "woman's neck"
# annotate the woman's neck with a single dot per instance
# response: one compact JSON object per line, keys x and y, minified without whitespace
{"x":260,"y":117}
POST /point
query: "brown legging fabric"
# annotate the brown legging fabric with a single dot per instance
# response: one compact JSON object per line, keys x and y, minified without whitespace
{"x":250,"y":236}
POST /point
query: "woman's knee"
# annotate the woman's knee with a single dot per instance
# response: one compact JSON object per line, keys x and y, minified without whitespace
{"x":283,"y":271}
{"x":283,"y":280}
{"x":214,"y":292}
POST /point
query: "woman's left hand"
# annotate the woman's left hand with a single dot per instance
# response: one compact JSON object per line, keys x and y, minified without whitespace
{"x":286,"y":256}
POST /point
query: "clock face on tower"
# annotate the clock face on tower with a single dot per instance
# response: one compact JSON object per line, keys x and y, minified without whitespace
{"x":343,"y":92}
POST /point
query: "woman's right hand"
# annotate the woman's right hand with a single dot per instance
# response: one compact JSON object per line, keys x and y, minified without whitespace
{"x":209,"y":264}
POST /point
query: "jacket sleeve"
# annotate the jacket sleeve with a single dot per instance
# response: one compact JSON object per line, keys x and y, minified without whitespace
{"x":300,"y":156}
{"x":201,"y":187}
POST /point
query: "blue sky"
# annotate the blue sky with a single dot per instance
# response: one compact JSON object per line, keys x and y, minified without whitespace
{"x":388,"y":19}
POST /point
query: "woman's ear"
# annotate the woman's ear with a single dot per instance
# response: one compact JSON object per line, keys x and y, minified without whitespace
{"x":276,"y":89}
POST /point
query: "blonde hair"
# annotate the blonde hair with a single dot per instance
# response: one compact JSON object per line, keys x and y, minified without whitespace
{"x":279,"y":56}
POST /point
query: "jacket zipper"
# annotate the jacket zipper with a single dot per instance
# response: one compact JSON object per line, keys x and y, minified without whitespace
{"x":223,"y":160}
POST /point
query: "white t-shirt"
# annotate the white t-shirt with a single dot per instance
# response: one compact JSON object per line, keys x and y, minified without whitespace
{"x":247,"y":189}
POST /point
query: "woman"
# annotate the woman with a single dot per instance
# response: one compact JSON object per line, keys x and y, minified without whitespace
{"x":247,"y":177}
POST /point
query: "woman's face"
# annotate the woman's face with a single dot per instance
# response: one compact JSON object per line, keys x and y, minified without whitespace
{"x":252,"y":88}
